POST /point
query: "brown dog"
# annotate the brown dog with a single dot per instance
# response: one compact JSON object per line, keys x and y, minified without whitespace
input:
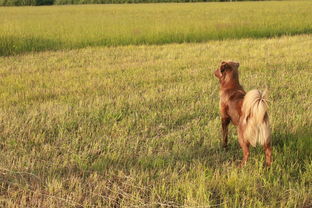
{"x":246,"y":111}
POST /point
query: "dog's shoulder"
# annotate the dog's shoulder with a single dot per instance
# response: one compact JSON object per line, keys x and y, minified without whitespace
{"x":237,"y":95}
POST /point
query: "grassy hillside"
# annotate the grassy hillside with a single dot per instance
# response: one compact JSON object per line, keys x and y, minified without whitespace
{"x":138,"y":126}
{"x":24,"y":29}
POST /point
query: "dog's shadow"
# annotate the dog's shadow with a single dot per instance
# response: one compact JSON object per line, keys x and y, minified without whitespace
{"x":288,"y":149}
{"x":292,"y":148}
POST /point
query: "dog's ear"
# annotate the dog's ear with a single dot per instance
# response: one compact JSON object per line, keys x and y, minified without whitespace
{"x":224,"y":65}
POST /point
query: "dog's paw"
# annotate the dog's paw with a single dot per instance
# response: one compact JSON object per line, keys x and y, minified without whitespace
{"x":224,"y":146}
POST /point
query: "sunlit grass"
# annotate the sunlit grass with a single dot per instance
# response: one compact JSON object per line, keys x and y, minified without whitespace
{"x":139,"y":126}
{"x":24,"y":29}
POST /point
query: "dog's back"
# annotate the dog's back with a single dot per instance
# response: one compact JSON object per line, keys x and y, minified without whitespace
{"x":233,"y":100}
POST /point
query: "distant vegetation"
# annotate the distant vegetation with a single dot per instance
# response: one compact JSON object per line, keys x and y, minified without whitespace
{"x":67,"y":27}
{"x":26,"y":2}
{"x":50,"y":2}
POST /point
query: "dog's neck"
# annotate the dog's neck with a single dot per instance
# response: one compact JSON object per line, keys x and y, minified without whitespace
{"x":231,"y":81}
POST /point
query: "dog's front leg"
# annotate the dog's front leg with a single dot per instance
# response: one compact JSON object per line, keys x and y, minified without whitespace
{"x":225,"y":123}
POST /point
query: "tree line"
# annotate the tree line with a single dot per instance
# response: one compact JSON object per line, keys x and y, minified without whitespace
{"x":51,"y":2}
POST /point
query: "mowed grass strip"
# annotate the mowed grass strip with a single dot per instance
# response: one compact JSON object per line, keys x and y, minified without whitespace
{"x":24,"y":29}
{"x":139,"y":126}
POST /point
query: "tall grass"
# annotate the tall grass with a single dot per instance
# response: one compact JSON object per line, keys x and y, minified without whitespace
{"x":139,"y":126}
{"x":24,"y":29}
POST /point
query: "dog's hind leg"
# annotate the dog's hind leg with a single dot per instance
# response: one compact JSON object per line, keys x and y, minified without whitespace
{"x":225,"y":123}
{"x":245,"y":147}
{"x":268,"y":154}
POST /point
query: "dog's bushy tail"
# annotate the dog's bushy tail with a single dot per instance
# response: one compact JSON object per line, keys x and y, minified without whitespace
{"x":255,"y":118}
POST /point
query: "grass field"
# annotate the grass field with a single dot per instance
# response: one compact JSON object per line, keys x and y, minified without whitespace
{"x":101,"y":107}
{"x":138,"y":126}
{"x":24,"y":29}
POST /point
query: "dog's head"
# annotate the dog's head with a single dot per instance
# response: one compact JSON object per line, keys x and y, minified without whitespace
{"x":228,"y":70}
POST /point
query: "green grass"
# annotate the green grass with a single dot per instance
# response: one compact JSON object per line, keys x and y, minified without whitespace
{"x":138,"y":126}
{"x":25,"y":29}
